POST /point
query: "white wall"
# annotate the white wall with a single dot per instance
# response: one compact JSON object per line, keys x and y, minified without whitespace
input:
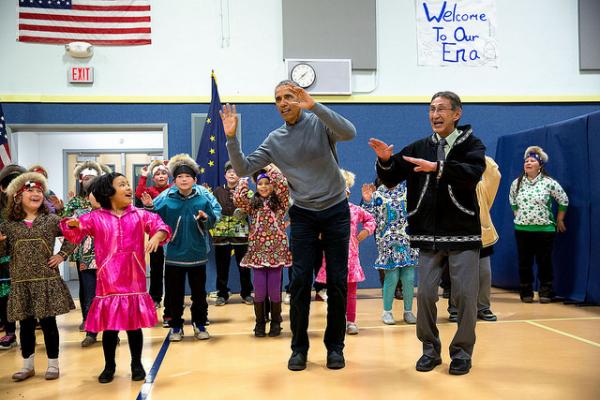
{"x":537,"y":45}
{"x":46,"y":148}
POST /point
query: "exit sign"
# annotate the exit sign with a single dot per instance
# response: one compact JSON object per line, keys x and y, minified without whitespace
{"x":80,"y":75}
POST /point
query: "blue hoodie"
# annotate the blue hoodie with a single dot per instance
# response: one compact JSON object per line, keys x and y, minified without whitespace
{"x":188,"y":246}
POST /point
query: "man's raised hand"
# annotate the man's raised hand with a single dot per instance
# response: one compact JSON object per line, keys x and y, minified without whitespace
{"x":230,"y":120}
{"x":383,"y":151}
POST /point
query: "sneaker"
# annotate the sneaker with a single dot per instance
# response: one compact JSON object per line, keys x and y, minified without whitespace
{"x":486,"y":315}
{"x":176,"y":335}
{"x":321,"y":295}
{"x":410,"y":318}
{"x":165,"y":322}
{"x":220,"y":301}
{"x":157,"y":304}
{"x":545,"y":299}
{"x":88,"y":341}
{"x":200,"y":332}
{"x":388,"y":318}
{"x":287,"y":298}
{"x":351,"y":328}
{"x":8,"y":342}
{"x":249,"y":300}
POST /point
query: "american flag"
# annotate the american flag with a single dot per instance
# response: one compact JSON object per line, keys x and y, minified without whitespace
{"x":4,"y":150}
{"x":100,"y":22}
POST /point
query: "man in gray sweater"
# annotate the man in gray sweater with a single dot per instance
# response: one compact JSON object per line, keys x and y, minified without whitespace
{"x":304,"y":150}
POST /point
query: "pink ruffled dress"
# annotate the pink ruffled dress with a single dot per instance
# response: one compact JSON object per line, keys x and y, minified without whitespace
{"x":121,"y":302}
{"x":358,"y":216}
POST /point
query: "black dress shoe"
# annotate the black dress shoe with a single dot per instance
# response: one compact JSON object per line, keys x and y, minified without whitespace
{"x":335,"y":360}
{"x":107,"y":375}
{"x":426,"y":363}
{"x":486,"y":315}
{"x":459,"y":366}
{"x":138,"y":373}
{"x":453,"y":316}
{"x":297,"y":361}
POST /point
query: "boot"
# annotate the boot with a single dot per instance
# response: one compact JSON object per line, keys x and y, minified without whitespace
{"x":259,"y":311}
{"x":275,"y":328}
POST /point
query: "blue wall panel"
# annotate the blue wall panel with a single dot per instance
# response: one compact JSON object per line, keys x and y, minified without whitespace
{"x":399,"y":124}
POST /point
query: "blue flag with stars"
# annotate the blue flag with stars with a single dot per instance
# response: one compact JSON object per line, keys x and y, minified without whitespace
{"x":212,"y":153}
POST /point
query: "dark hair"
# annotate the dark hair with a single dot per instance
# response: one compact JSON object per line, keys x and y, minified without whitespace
{"x":453,"y":97}
{"x":16,"y":212}
{"x":257,"y":201}
{"x":286,"y":82}
{"x":103,"y":189}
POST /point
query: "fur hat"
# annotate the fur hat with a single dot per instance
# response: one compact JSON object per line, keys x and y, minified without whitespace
{"x":105,"y":169}
{"x":87,"y":165}
{"x":349,"y":177}
{"x":154,"y":164}
{"x":26,"y":178}
{"x":38,"y":168}
{"x":536,"y":152}
{"x":9,"y":173}
{"x":182,"y":163}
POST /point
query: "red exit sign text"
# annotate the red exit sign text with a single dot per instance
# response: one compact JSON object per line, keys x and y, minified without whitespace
{"x":81,"y":74}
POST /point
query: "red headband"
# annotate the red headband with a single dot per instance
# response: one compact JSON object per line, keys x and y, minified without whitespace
{"x":30,"y":185}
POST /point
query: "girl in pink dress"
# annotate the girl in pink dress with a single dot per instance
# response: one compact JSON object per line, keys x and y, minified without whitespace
{"x":355,"y":271}
{"x":268,"y":250}
{"x":121,"y":301}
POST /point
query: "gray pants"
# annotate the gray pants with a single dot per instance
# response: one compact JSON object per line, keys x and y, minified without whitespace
{"x":464,"y":278}
{"x":485,"y":285}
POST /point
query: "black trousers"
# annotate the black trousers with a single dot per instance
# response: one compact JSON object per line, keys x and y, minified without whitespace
{"x":222,"y":259}
{"x":157,"y":262}
{"x":135,"y":338}
{"x":27,"y":336}
{"x":538,"y":246}
{"x":318,"y":286}
{"x":333,"y":224}
{"x":176,"y":294}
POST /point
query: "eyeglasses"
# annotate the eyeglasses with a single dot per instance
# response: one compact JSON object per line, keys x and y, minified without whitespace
{"x":439,"y":110}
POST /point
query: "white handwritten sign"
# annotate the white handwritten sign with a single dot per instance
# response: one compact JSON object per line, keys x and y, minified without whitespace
{"x":456,"y":32}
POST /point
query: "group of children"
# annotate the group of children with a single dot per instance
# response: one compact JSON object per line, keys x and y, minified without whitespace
{"x":109,"y":236}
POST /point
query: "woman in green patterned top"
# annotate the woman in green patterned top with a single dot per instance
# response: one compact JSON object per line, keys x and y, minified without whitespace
{"x":530,"y":197}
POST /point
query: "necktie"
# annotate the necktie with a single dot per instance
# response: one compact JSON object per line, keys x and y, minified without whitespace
{"x":441,"y":155}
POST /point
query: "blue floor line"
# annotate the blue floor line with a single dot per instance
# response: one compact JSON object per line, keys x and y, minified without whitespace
{"x":144,"y":393}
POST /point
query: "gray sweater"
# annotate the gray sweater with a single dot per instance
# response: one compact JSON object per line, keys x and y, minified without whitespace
{"x":304,"y":155}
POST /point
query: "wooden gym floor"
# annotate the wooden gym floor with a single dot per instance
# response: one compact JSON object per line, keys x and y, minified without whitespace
{"x":533,"y":351}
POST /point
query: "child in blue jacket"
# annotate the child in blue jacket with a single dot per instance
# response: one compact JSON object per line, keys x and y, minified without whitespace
{"x":190,"y":211}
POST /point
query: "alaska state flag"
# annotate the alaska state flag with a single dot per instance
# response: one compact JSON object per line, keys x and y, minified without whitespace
{"x":212,"y":153}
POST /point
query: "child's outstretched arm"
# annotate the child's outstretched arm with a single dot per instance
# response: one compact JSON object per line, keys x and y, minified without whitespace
{"x":155,"y":241}
{"x":241,"y":196}
{"x":76,"y":229}
{"x":280,"y":186}
{"x":368,"y":223}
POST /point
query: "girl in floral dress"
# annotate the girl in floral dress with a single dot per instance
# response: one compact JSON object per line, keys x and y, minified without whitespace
{"x":268,"y":250}
{"x":355,"y":271}
{"x":395,"y":256}
{"x":121,"y":301}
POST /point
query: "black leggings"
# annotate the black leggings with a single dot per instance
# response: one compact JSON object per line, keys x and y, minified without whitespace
{"x":109,"y":345}
{"x":27,"y":336}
